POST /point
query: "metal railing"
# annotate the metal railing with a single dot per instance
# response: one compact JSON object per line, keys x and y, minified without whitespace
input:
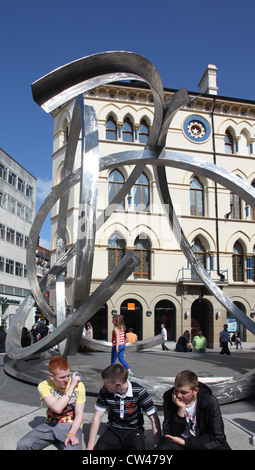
{"x":189,"y":274}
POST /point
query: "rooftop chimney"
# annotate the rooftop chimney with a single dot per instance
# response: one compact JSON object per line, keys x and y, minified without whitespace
{"x":208,"y":83}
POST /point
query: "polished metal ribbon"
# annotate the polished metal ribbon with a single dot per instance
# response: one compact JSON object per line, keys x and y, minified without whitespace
{"x":53,"y":90}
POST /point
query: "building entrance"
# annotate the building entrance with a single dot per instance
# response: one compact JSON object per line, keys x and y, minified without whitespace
{"x":234,"y":325}
{"x":132,"y":312}
{"x":165,"y":312}
{"x":202,"y":319}
{"x":99,"y":323}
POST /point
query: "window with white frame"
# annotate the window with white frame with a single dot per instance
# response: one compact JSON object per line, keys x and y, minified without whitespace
{"x":127,"y":131}
{"x":238,"y":262}
{"x":141,"y":193}
{"x":196,"y":197}
{"x":12,"y":177}
{"x":229,"y":142}
{"x":116,"y":250}
{"x":9,"y":266}
{"x":116,"y":181}
{"x":111,"y":128}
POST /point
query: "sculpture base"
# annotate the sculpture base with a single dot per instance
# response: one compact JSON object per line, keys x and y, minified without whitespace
{"x":162,"y":367}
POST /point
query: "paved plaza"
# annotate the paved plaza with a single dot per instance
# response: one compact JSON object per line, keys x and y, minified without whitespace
{"x":20,"y":408}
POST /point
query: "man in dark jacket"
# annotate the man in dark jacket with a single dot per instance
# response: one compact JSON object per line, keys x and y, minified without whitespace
{"x":192,"y":417}
{"x":3,"y":335}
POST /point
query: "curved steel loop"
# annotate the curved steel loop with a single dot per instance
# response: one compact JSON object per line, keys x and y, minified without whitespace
{"x":15,"y":330}
{"x":60,"y":238}
{"x":88,"y":191}
{"x":87,"y":207}
{"x":100,"y":296}
{"x":172,"y":160}
{"x":218,"y":174}
{"x":86,"y":218}
{"x":73,"y":137}
{"x":183,"y":162}
{"x":171,"y":107}
{"x":130,"y":347}
{"x":64,"y":83}
{"x":79,"y":76}
{"x":160,"y":175}
{"x":177,"y":160}
{"x":55,"y":89}
{"x":178,"y":99}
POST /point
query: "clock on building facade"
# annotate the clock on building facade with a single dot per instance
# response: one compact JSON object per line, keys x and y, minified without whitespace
{"x":196,"y":129}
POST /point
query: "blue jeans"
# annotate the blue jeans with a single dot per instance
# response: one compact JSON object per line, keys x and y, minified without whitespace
{"x":119,"y":355}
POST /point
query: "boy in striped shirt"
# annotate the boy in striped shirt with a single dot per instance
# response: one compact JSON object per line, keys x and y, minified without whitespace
{"x":126,"y":402}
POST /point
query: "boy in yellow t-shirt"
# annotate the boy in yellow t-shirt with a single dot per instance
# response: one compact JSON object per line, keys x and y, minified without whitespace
{"x":65,"y":398}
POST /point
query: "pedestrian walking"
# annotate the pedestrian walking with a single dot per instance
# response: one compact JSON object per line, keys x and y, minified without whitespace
{"x":224,"y":340}
{"x":119,"y":342}
{"x":164,"y":334}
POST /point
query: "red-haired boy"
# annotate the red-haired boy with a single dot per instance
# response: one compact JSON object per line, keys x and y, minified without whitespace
{"x":65,"y":398}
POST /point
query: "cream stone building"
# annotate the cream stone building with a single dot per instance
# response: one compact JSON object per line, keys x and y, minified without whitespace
{"x":219,"y":226}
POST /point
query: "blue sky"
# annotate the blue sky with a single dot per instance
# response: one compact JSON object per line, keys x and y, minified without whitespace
{"x":179,"y":37}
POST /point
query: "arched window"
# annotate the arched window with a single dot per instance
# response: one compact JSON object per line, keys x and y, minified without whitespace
{"x":250,"y":266}
{"x":65,"y":131}
{"x":244,"y":146}
{"x":200,"y":253}
{"x":116,"y":181}
{"x":235,"y":204}
{"x":143,"y":132}
{"x":253,"y":210}
{"x":229,"y":143}
{"x":253,"y":265}
{"x":142,"y":252}
{"x":237,"y":262}
{"x":141,"y":193}
{"x":111,"y":129}
{"x":116,"y":250}
{"x":196,"y":198}
{"x":127,"y":131}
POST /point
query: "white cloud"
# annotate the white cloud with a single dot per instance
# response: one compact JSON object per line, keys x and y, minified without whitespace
{"x":43,"y":188}
{"x":45,"y":243}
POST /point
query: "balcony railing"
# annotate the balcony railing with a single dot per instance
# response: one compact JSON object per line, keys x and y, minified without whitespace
{"x":188,"y":274}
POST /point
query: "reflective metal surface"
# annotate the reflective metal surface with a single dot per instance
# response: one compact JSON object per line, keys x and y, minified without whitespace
{"x":53,"y":90}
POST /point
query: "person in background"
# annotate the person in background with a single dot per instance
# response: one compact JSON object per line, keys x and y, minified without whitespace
{"x":183,"y":344}
{"x":199,"y":342}
{"x":26,"y":339}
{"x":131,"y":337}
{"x":164,"y":334}
{"x":35,"y":333}
{"x":43,"y":329}
{"x":89,"y":330}
{"x":224,"y":340}
{"x":3,"y":335}
{"x":235,"y":338}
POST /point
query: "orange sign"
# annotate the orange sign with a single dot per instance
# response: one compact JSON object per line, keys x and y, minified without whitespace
{"x":131,"y":306}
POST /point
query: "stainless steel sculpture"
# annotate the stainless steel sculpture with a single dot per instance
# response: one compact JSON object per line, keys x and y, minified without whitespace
{"x":53,"y":90}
